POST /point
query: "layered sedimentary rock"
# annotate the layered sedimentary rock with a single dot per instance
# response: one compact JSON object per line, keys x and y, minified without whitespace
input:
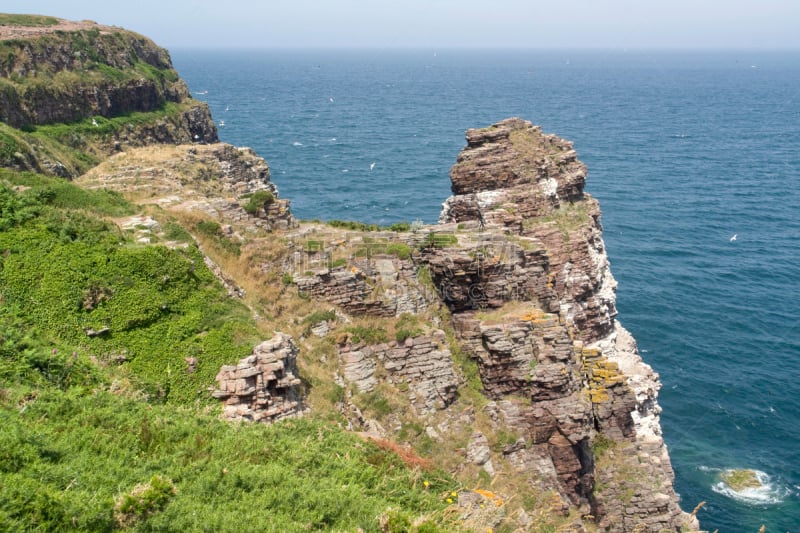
{"x":422,"y":365}
{"x":70,"y":72}
{"x":378,"y":285}
{"x":262,"y":387}
{"x":214,"y":179}
{"x":533,"y":302}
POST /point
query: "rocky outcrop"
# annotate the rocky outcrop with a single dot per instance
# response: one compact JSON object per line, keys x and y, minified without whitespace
{"x":377,"y":285}
{"x":533,"y":302}
{"x":69,"y":73}
{"x":216,"y":180}
{"x":420,"y":365}
{"x":264,"y":386}
{"x":86,"y":70}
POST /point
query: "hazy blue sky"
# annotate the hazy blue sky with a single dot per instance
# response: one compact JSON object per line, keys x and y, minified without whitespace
{"x":443,"y":23}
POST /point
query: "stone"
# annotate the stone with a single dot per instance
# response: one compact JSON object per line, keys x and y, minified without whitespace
{"x":533,"y":303}
{"x":262,"y":387}
{"x":424,"y":366}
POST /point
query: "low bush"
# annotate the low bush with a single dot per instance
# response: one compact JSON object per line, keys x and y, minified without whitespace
{"x":258,"y":200}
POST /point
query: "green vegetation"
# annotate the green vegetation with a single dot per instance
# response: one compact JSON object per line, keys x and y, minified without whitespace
{"x":258,"y":200}
{"x":601,"y":444}
{"x":367,"y":334}
{"x":213,"y":231}
{"x":95,"y":461}
{"x":312,"y":245}
{"x":106,"y":428}
{"x":568,"y":217}
{"x":361,"y":226}
{"x":320,"y":316}
{"x":371,"y":248}
{"x":10,"y":19}
{"x":353,"y":226}
{"x":65,"y":276}
{"x":336,"y":263}
{"x":77,"y":144}
{"x":408,"y":326}
{"x":439,"y":240}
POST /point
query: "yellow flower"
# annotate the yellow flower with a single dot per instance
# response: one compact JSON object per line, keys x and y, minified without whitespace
{"x":426,"y":483}
{"x":449,"y":500}
{"x":453,"y":494}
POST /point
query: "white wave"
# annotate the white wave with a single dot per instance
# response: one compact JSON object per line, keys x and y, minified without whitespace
{"x":769,"y":493}
{"x":296,"y":143}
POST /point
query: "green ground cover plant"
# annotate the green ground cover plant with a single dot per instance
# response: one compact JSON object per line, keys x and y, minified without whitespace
{"x":106,"y":429}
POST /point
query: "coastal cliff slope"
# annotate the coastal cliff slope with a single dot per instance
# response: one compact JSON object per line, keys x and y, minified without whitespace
{"x":462,"y":376}
{"x":113,"y":87}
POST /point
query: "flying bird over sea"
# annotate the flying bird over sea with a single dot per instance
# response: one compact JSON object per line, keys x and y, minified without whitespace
{"x":734,"y":237}
{"x":371,"y":166}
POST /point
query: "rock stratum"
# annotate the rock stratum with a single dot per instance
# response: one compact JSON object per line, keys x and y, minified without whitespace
{"x":489,"y":342}
{"x":114,"y":87}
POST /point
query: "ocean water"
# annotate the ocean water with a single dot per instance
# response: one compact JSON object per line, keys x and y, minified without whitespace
{"x":685,"y":150}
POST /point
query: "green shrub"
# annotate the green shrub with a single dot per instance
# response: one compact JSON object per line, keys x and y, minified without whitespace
{"x":408,"y":326}
{"x":336,"y":263}
{"x":258,"y":200}
{"x":313,"y":246}
{"x":176,"y":232}
{"x":353,"y":225}
{"x":399,"y":249}
{"x":209,"y":228}
{"x":368,"y":335}
{"x":400,"y":226}
{"x":143,"y":501}
{"x":320,"y":316}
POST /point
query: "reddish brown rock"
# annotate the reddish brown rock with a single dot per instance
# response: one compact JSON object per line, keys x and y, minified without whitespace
{"x":262,"y":387}
{"x":533,"y":302}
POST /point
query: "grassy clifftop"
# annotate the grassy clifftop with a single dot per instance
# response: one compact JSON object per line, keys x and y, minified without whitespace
{"x":71,"y":93}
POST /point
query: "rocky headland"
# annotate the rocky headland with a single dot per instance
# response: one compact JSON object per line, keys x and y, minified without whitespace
{"x":489,"y":342}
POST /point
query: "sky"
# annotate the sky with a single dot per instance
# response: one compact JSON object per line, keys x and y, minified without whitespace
{"x":616,"y":24}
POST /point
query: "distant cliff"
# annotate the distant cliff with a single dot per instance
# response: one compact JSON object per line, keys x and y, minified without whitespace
{"x":113,"y":87}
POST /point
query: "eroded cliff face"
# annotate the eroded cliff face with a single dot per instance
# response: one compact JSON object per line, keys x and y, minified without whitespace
{"x":116,"y":89}
{"x":519,"y":261}
{"x":515,"y":278}
{"x":536,"y":309}
{"x":75,"y":70}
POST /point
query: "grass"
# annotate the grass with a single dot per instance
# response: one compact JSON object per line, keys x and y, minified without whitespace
{"x":258,"y":200}
{"x":112,"y":432}
{"x":80,"y":145}
{"x":364,"y":227}
{"x":10,"y":19}
{"x":568,"y":217}
{"x":65,"y":272}
{"x":439,"y":240}
{"x":408,"y":326}
{"x":367,"y":334}
{"x":78,"y":461}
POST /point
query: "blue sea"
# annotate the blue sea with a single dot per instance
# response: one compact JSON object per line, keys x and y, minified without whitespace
{"x":684,"y":149}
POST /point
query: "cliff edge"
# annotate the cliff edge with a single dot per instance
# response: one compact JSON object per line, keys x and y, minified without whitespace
{"x":486,"y":345}
{"x":112,"y":87}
